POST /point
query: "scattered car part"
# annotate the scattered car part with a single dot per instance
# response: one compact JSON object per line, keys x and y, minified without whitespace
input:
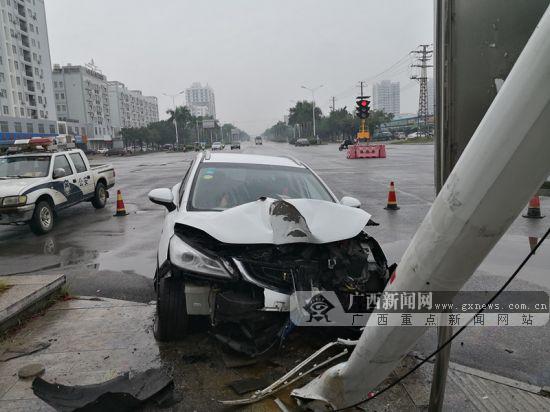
{"x":281,"y":405}
{"x":123,"y":393}
{"x":296,"y":373}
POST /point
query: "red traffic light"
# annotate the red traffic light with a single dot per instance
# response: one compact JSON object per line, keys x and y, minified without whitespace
{"x":363,"y":103}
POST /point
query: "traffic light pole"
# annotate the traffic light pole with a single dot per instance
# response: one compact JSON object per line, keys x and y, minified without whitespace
{"x":362,"y":112}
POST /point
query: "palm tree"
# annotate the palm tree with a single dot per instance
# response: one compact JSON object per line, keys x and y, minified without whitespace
{"x":184,"y":118}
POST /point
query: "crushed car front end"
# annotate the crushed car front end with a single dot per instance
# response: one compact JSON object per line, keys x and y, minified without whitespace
{"x":245,"y":288}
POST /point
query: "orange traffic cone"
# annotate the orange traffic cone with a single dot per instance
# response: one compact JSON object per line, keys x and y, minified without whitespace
{"x":533,"y":210}
{"x":392,"y":199}
{"x":120,"y":209}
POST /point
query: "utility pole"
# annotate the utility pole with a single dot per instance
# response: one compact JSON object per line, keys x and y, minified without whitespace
{"x":361,"y":85}
{"x":424,"y":55}
{"x":312,"y":90}
{"x":197,"y":129}
{"x":333,"y":107}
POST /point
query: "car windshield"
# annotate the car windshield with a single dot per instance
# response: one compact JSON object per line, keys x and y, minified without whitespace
{"x":220,"y":186}
{"x":20,"y":167}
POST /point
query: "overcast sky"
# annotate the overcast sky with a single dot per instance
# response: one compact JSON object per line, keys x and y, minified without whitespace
{"x":254,"y":53}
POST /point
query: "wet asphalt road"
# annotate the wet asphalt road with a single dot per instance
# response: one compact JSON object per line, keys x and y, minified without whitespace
{"x":115,"y":257}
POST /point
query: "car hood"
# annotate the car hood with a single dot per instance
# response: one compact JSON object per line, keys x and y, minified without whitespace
{"x":15,"y":186}
{"x":271,"y":221}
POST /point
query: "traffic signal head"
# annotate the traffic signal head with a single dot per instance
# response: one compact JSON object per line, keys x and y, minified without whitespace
{"x":363,"y":108}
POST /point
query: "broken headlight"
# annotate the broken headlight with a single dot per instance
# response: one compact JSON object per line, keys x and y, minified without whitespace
{"x":185,"y":257}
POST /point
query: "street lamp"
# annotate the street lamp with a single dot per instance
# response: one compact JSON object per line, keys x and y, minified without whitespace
{"x":173,"y":96}
{"x":312,"y":90}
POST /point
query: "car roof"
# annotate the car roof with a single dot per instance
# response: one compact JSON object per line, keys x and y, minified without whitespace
{"x":252,"y":159}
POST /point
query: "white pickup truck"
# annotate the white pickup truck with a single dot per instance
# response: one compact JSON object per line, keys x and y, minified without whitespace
{"x":35,"y":185}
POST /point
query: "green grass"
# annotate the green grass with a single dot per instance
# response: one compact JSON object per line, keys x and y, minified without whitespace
{"x":3,"y":286}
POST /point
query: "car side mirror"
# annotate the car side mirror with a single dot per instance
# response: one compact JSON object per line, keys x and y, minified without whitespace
{"x":350,"y":201}
{"x":59,"y":173}
{"x":163,"y":197}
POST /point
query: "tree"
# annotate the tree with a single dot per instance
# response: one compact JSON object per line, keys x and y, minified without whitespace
{"x":280,"y":132}
{"x":377,"y":118}
{"x":301,"y":113}
{"x":186,"y":123}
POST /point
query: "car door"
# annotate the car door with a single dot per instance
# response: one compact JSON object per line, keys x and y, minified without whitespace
{"x":66,"y":184}
{"x":84,"y":178}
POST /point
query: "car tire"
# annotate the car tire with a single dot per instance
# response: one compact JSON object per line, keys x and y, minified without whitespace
{"x":42,"y":220}
{"x":171,"y":319}
{"x":100,"y":196}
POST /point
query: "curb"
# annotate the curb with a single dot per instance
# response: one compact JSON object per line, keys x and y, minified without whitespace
{"x":35,"y":290}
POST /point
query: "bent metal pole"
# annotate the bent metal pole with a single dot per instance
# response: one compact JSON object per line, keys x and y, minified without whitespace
{"x":504,"y":164}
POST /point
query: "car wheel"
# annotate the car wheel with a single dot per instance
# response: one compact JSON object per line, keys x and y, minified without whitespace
{"x":171,"y":319}
{"x":100,"y":197}
{"x":42,"y":218}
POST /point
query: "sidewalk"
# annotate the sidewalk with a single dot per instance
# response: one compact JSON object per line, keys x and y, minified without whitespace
{"x":24,"y":293}
{"x":91,"y":341}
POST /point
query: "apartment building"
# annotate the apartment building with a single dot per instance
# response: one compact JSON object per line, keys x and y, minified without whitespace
{"x":82,"y":96}
{"x":201,"y":100}
{"x":27,"y":103}
{"x":130,"y":108}
{"x":387,"y":96}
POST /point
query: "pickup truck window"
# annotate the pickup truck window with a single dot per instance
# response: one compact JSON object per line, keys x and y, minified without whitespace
{"x":78,"y":162}
{"x":61,"y":162}
{"x":22,"y":167}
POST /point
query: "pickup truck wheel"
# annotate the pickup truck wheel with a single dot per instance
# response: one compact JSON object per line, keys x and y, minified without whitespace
{"x":42,"y":218}
{"x":100,"y":197}
{"x":171,"y":319}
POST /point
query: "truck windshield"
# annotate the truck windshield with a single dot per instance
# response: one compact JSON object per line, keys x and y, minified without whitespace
{"x":220,"y":186}
{"x":24,"y":166}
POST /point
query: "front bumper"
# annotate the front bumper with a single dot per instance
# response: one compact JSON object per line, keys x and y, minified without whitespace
{"x":18,"y":214}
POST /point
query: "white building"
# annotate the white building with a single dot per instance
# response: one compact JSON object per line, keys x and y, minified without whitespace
{"x":129,"y":108}
{"x":26,"y":94}
{"x":200,"y":100}
{"x":431,"y":96}
{"x":387,"y":96}
{"x":81,"y":94}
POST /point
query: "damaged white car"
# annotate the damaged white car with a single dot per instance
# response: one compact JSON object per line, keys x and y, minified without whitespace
{"x":242,"y":233}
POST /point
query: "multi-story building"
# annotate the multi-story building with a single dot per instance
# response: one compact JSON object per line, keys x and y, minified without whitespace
{"x":129,"y":108}
{"x":200,"y":100}
{"x":387,"y":96}
{"x":81,"y":94}
{"x":26,"y":97}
